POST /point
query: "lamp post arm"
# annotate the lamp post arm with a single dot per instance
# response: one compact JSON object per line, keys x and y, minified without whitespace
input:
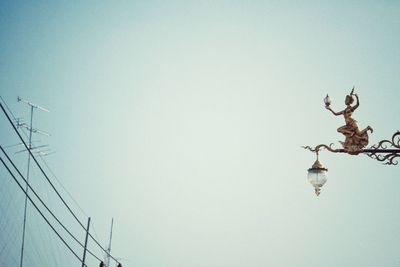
{"x":386,"y":151}
{"x":319,"y":147}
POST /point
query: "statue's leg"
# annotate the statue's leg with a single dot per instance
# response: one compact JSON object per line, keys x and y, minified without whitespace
{"x":345,"y":130}
{"x":369,"y":128}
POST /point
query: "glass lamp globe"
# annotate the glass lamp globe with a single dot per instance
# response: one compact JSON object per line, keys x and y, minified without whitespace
{"x":317,"y":176}
{"x":327,"y":101}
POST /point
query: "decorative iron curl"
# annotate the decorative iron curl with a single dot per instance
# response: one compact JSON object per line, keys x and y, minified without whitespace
{"x":391,"y":156}
{"x":395,"y":142}
{"x":391,"y":159}
{"x":319,"y":147}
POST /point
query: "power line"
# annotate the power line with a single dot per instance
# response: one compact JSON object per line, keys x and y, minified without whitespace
{"x":80,"y":208}
{"x":47,"y":208}
{"x":45,"y":163}
{"x":52,"y":185}
{"x":41,"y":169}
{"x":18,"y":123}
{"x":63,"y":187}
{"x":9,"y":110}
{"x":36,"y":207}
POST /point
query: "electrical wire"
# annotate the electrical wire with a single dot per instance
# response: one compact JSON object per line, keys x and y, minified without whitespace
{"x":59,"y":182}
{"x":47,"y":208}
{"x":44,"y":217}
{"x":26,"y":136}
{"x":52,"y":185}
{"x":45,"y":163}
{"x":63,"y":187}
{"x":10,"y":224}
{"x":9,"y":110}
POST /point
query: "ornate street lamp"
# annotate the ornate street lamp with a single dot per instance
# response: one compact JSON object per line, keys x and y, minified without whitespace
{"x":386,"y":151}
{"x":317,"y":176}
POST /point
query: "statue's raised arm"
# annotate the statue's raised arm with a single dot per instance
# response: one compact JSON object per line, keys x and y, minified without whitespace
{"x":333,"y":112}
{"x":358,"y":102}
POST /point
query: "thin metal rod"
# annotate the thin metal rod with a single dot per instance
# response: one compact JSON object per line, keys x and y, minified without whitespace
{"x":366,"y":150}
{"x":109,"y":244}
{"x":32,"y":105}
{"x":26,"y":189}
{"x":86,"y":240}
{"x":374,"y":151}
{"x":383,"y":151}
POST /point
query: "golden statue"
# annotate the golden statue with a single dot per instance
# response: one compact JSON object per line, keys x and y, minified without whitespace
{"x":355,"y":139}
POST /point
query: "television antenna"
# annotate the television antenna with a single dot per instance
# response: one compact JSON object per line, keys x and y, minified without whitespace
{"x":31,"y":130}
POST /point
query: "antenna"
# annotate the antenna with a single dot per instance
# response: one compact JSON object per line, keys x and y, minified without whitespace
{"x":109,"y":244}
{"x":19,"y":99}
{"x":31,"y":130}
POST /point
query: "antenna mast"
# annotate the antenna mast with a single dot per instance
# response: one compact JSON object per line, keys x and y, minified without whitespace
{"x":109,"y":244}
{"x":31,"y":130}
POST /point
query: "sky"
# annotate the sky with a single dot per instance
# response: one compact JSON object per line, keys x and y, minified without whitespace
{"x":184,"y":121}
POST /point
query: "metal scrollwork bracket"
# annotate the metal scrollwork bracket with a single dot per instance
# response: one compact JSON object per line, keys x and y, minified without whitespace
{"x":386,"y":151}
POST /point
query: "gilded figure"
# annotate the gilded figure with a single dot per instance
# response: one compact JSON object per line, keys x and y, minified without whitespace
{"x":355,"y":139}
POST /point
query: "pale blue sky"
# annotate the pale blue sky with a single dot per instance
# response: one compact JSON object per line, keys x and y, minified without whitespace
{"x":183,"y":120}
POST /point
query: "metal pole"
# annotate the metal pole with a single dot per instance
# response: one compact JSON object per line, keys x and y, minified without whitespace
{"x":86,"y":240}
{"x":27,"y":188}
{"x":109,"y":245}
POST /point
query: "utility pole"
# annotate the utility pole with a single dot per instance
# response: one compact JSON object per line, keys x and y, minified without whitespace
{"x":109,"y":244}
{"x":86,"y":240}
{"x":31,"y":130}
